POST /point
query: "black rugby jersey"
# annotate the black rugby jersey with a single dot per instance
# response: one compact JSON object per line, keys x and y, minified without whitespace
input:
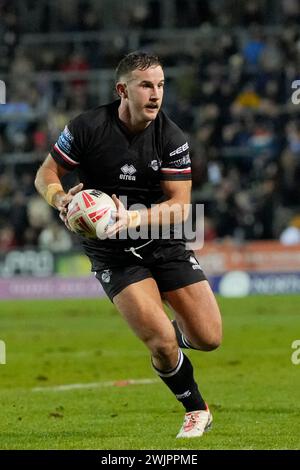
{"x":110,"y":159}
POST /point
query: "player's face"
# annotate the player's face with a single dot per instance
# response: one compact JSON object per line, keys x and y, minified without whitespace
{"x":145,"y":89}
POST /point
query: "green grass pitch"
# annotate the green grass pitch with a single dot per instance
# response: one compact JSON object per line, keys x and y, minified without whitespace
{"x":250,"y":382}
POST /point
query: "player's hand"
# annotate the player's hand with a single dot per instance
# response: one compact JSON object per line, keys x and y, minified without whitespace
{"x":62,"y":200}
{"x":120,"y":219}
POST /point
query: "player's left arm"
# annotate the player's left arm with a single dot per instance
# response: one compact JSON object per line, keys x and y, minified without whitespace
{"x":174,"y":209}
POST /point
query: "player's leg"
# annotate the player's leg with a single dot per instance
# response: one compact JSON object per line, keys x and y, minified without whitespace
{"x":141,"y":306}
{"x":197,"y":315}
{"x":199,"y":321}
{"x":185,"y":288}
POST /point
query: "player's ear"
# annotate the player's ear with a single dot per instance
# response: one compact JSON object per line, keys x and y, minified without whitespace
{"x":121,"y":90}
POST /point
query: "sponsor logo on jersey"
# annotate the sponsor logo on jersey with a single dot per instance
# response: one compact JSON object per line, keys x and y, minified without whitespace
{"x":128,"y":173}
{"x":154,"y":164}
{"x":182,"y":161}
{"x":180,"y":149}
{"x":106,"y":275}
{"x":65,"y":140}
{"x":195,"y":264}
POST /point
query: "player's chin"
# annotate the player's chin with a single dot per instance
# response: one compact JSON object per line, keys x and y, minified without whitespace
{"x":151,"y":113}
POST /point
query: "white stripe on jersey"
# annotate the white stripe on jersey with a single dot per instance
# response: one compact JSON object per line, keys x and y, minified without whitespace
{"x":175,"y":170}
{"x":65,"y":157}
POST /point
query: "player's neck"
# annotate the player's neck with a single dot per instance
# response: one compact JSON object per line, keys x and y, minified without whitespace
{"x":133,"y":125}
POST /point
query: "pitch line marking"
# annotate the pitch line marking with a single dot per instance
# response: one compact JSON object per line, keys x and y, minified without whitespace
{"x":112,"y":383}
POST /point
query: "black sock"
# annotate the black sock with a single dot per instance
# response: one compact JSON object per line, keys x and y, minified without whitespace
{"x":180,"y":381}
{"x":181,"y":339}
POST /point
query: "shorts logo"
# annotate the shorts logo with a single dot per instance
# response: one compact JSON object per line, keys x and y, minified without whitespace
{"x":154,"y":164}
{"x":128,"y":172}
{"x":106,"y":275}
{"x":180,"y":149}
{"x":195,"y":264}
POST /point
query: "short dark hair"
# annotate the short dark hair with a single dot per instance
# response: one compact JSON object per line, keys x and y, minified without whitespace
{"x":136,"y":60}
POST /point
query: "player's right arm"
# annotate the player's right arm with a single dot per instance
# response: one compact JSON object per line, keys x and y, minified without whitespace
{"x":64,"y":157}
{"x":48,"y":184}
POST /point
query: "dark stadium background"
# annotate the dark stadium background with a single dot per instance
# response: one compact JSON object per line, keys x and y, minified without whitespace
{"x":230,"y":66}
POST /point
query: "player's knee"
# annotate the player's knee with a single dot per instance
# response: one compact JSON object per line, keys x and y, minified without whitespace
{"x":163,"y":349}
{"x":213,"y":340}
{"x":212,"y":344}
{"x":209,"y":341}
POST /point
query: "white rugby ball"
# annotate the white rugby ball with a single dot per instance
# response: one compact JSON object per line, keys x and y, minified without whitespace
{"x":90,"y":213}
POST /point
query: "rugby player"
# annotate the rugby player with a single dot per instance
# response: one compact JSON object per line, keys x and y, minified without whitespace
{"x":131,"y":148}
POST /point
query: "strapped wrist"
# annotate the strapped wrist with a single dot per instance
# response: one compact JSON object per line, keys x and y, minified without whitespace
{"x":52,"y":189}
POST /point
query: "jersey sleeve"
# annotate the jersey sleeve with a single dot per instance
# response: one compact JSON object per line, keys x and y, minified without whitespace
{"x":176,"y":162}
{"x":68,"y":149}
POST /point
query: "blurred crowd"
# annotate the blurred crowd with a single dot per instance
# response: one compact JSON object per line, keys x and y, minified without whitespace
{"x":234,"y":95}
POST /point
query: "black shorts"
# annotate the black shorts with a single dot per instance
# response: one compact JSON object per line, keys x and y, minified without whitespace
{"x":170,"y":265}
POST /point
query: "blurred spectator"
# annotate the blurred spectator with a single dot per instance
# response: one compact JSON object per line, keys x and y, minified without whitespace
{"x":18,"y":216}
{"x":76,"y":63}
{"x":252,"y":13}
{"x":254,"y":47}
{"x":7,"y":239}
{"x":291,"y":234}
{"x":248,"y":98}
{"x":55,"y":237}
{"x":40,"y":139}
{"x":291,"y":11}
{"x":229,"y":89}
{"x":210,"y":233}
{"x":191,"y":13}
{"x":39,"y":212}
